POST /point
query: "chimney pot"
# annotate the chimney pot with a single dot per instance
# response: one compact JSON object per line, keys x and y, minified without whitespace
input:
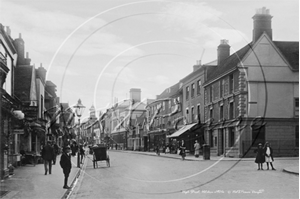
{"x":20,"y":35}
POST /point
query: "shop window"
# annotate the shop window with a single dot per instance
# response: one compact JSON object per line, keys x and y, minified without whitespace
{"x":258,"y":134}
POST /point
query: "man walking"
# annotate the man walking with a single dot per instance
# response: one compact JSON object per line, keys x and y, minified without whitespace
{"x":47,"y":155}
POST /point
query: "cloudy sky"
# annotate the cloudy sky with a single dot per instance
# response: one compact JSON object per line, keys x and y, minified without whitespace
{"x":96,"y":50}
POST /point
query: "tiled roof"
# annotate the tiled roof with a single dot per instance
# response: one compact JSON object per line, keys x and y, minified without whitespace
{"x":290,"y":51}
{"x":23,"y":75}
{"x":228,"y":64}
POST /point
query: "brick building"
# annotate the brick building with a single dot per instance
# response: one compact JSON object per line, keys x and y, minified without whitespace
{"x":252,"y":95}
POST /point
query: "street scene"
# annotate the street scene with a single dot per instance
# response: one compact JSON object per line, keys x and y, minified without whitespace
{"x":149,"y":99}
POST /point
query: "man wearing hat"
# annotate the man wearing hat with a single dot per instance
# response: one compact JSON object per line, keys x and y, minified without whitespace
{"x":66,"y":165}
{"x":47,"y":155}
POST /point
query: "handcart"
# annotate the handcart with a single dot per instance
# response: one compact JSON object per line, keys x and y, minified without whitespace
{"x":100,"y":154}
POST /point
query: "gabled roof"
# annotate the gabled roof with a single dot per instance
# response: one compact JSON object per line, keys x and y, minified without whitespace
{"x":22,"y":87}
{"x":228,"y":64}
{"x":290,"y":50}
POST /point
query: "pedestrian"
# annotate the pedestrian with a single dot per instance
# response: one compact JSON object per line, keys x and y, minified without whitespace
{"x":157,"y":149}
{"x":56,"y":151}
{"x":182,"y":149}
{"x":167,"y":149}
{"x":197,"y":148}
{"x":260,"y":157}
{"x":74,"y":148}
{"x":82,"y":152}
{"x":47,"y":155}
{"x":66,"y":165}
{"x":268,"y":151}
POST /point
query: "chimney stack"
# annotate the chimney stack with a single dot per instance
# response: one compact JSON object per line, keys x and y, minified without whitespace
{"x":223,"y":51}
{"x":135,"y":94}
{"x":27,"y":60}
{"x":41,"y":73}
{"x":20,"y":47}
{"x":262,"y":22}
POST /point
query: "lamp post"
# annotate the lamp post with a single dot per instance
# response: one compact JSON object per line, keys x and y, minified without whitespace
{"x":79,"y":108}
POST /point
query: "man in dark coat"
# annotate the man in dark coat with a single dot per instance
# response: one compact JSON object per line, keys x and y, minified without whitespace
{"x":66,"y":165}
{"x":47,"y":155}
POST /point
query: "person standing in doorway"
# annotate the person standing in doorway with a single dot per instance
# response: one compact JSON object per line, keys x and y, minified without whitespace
{"x":66,"y":165}
{"x":268,"y":151}
{"x":260,"y":157}
{"x":47,"y":155}
{"x":197,"y":148}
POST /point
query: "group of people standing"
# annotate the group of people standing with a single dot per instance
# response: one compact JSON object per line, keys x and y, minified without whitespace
{"x":264,"y":155}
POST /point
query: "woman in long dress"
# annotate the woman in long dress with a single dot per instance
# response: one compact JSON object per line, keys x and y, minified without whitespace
{"x":268,"y":151}
{"x":197,"y":148}
{"x":260,"y":157}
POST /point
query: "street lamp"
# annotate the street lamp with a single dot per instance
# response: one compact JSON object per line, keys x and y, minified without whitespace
{"x":79,"y":108}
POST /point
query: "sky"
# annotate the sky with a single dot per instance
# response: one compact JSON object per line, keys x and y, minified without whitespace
{"x":96,"y":50}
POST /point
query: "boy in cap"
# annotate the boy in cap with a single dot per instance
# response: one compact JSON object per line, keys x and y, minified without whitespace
{"x":66,"y":165}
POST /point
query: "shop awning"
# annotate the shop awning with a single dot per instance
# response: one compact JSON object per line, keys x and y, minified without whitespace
{"x":182,"y":130}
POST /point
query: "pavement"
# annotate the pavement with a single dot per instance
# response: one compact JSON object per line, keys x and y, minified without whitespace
{"x":30,"y":182}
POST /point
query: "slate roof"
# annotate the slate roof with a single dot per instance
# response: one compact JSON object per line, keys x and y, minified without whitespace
{"x":290,"y":51}
{"x":23,"y":75}
{"x":169,"y":91}
{"x":228,"y":64}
